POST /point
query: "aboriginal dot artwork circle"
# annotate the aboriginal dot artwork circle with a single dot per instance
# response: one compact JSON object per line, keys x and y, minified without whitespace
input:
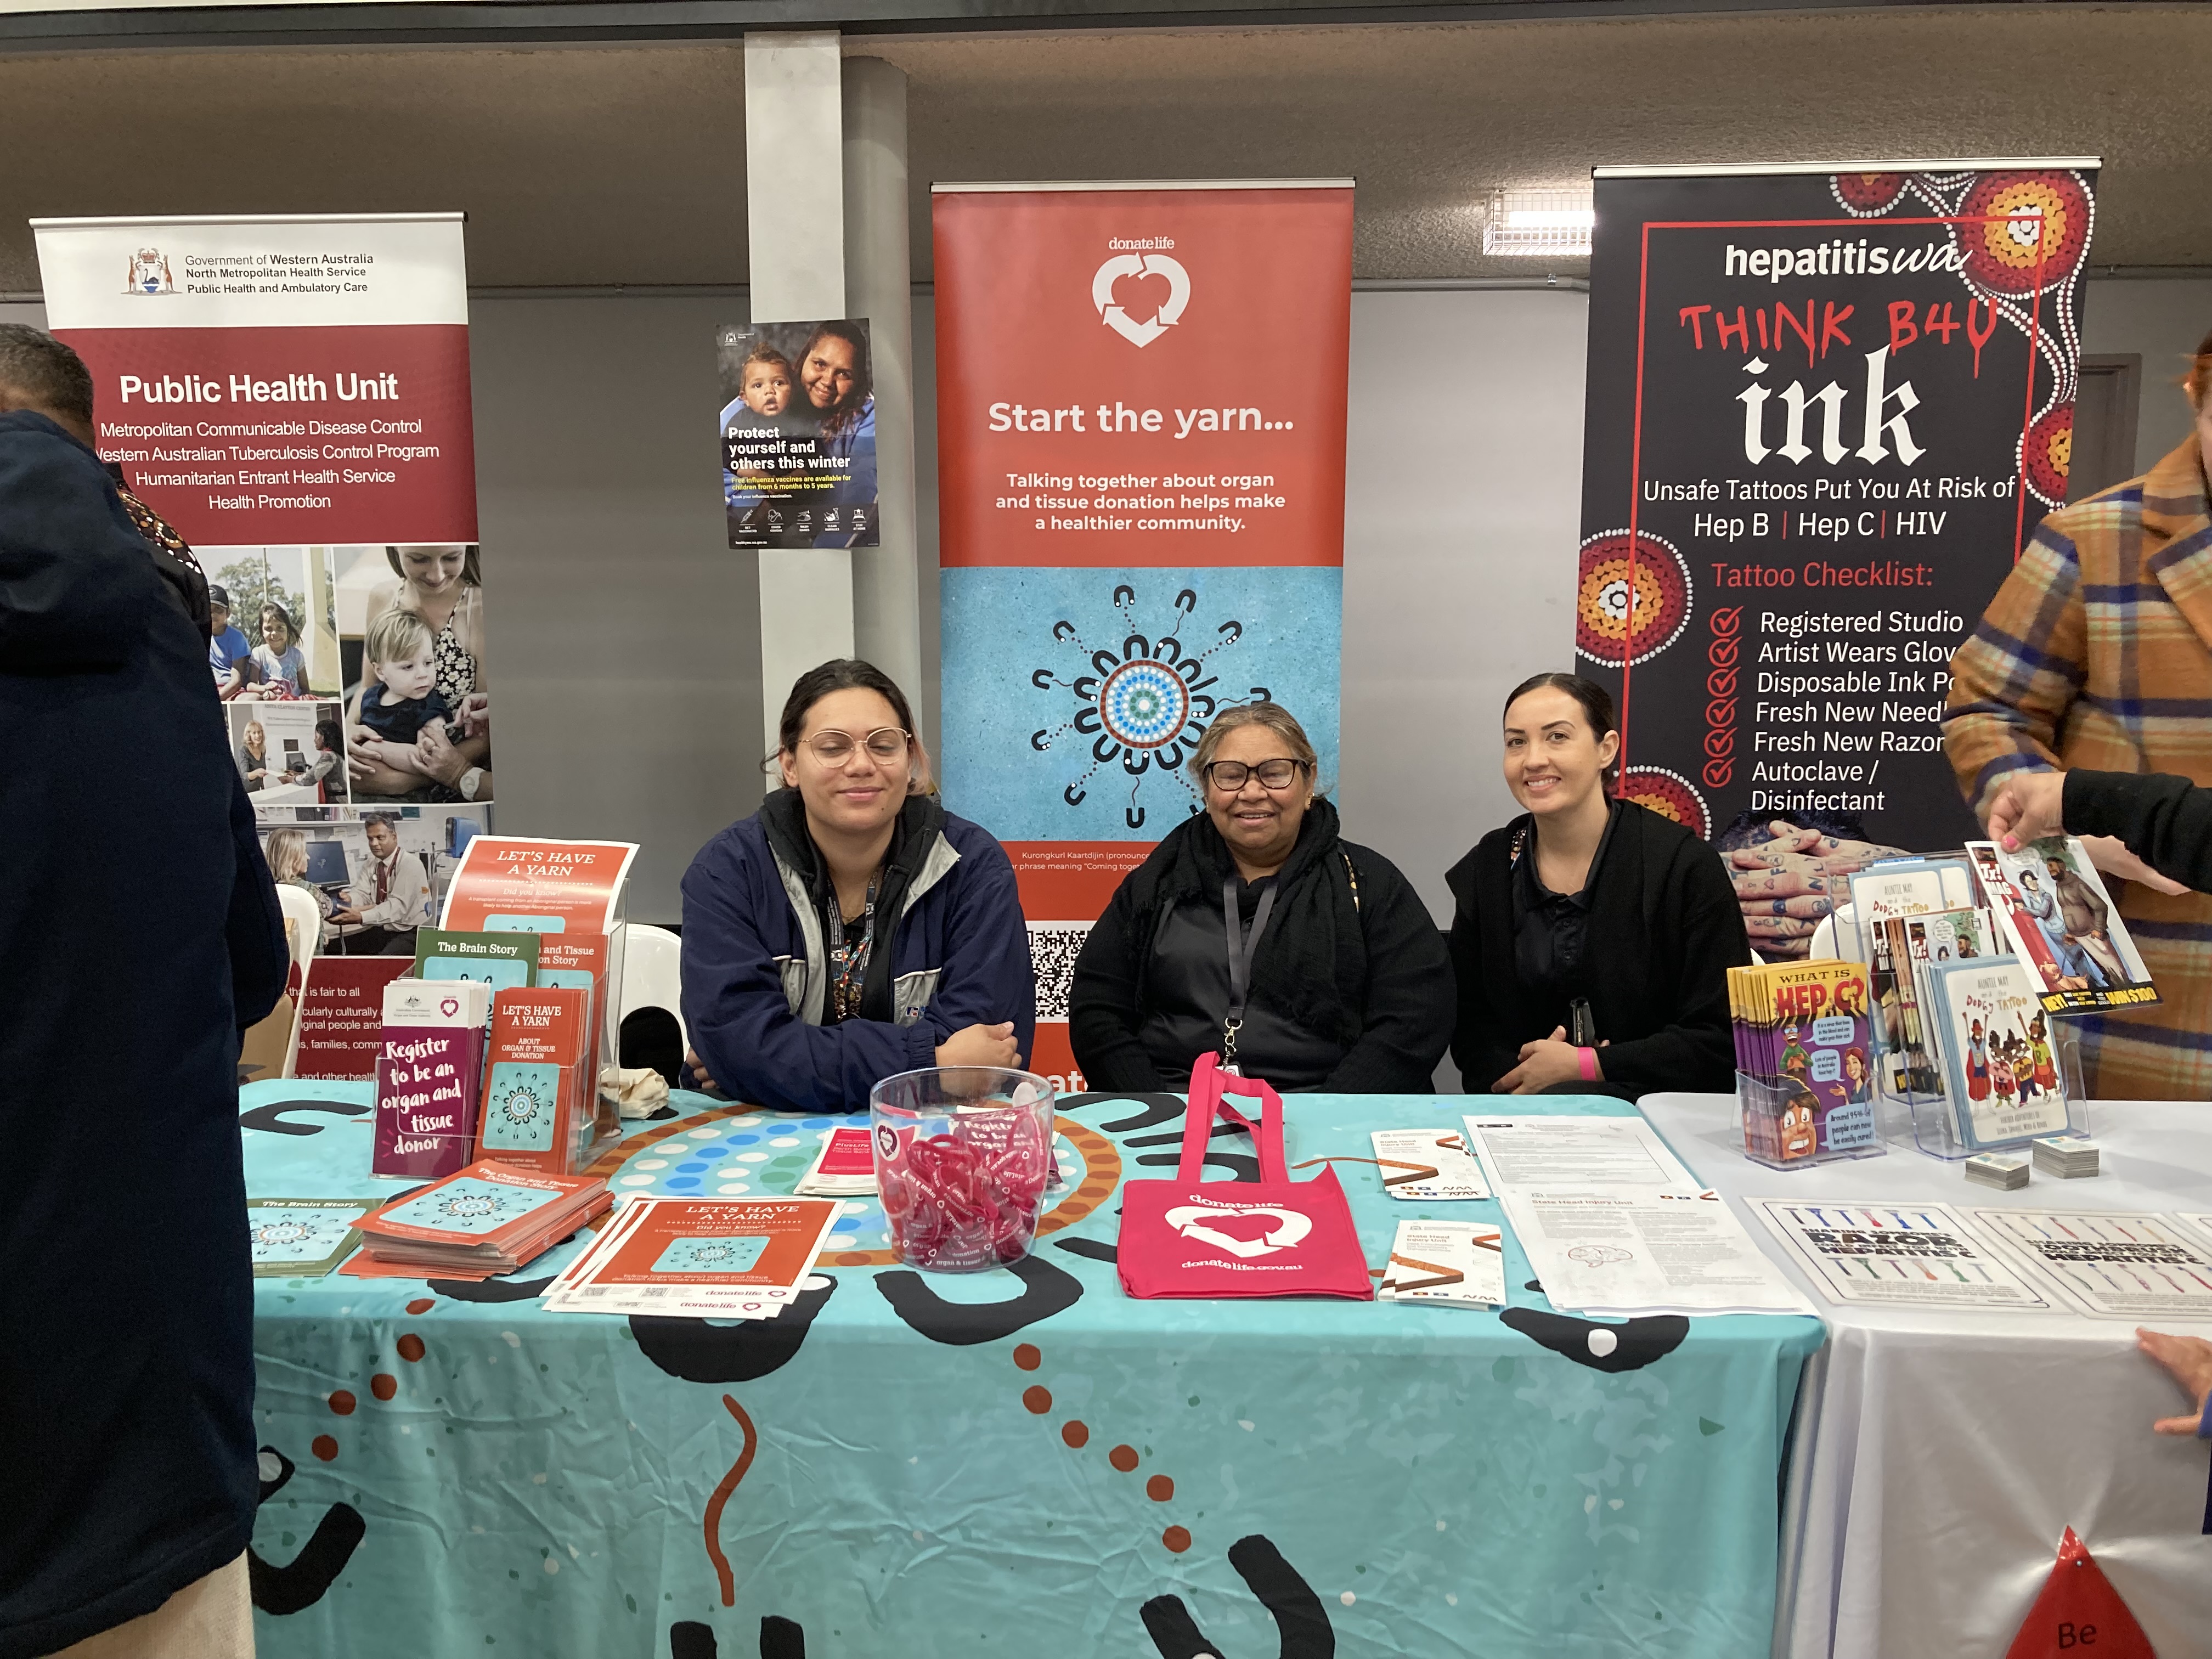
{"x":1670,"y":795}
{"x":1144,"y":704}
{"x":520,"y":1105}
{"x":1616,"y":626}
{"x":467,"y":1206}
{"x":1865,"y":195}
{"x":2040,"y":242}
{"x":1091,"y":1169}
{"x":2046,"y":454}
{"x":286,"y":1233}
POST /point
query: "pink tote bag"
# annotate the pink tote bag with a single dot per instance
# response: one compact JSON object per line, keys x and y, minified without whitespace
{"x":1232,"y":1238}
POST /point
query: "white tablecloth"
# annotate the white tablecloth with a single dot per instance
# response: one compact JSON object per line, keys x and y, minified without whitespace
{"x":1939,"y":1454}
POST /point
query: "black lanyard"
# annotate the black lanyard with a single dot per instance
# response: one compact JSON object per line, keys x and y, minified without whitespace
{"x":1242,"y":946}
{"x":849,"y":965}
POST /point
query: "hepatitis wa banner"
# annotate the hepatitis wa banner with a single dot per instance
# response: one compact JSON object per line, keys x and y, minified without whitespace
{"x":1140,"y":421}
{"x":292,"y":395}
{"x":1826,"y":409}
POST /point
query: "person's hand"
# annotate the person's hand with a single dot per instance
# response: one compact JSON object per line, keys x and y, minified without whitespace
{"x":436,"y":757}
{"x":361,"y":764}
{"x":981,"y":1045}
{"x":348,"y":917}
{"x":1785,"y":885}
{"x":2188,"y":1360}
{"x":698,"y":1069}
{"x":257,"y":775}
{"x":2110,"y":853}
{"x":475,"y":714}
{"x":1553,"y":1059}
{"x":2028,"y":806}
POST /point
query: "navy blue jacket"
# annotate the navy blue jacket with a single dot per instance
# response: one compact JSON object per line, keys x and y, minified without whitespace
{"x":139,"y":932}
{"x":755,"y":969}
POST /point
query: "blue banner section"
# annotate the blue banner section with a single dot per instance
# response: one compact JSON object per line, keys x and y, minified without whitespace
{"x":1073,"y":698}
{"x":1026,"y":1461}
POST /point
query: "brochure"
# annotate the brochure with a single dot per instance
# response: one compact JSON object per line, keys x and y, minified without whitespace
{"x":683,"y":1256}
{"x":302,"y":1237}
{"x":1895,"y":1254}
{"x":2000,"y":1075}
{"x":489,"y":1218}
{"x":1804,"y":1028}
{"x":1562,"y":1151}
{"x":1905,"y":946}
{"x":2065,"y":926}
{"x":536,"y":1110}
{"x":1629,"y":1251}
{"x":1430,"y":1164}
{"x":1460,"y":1264}
{"x":521,"y":884}
{"x":844,"y":1168}
{"x":2114,"y":1265}
{"x":427,"y":1082}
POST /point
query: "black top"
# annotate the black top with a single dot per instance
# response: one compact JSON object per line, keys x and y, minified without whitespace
{"x":1662,"y":927}
{"x":1549,"y":928}
{"x":2166,"y":821}
{"x":1353,"y":992}
{"x":126,"y":1370}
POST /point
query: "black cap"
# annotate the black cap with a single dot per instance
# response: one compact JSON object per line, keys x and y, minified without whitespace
{"x":218,"y":595}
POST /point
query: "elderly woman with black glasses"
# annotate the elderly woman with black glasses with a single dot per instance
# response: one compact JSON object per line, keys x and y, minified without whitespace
{"x":1256,"y":932}
{"x":852,"y":928}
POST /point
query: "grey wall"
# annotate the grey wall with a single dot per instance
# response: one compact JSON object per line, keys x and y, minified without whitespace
{"x":625,"y":637}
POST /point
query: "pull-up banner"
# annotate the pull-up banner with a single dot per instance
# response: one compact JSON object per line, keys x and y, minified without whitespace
{"x":1140,"y":440}
{"x":1827,"y":406}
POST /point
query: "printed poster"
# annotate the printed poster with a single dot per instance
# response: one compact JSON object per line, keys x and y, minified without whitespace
{"x":291,"y":394}
{"x":1141,"y":428}
{"x":1825,"y":411}
{"x":797,"y":433}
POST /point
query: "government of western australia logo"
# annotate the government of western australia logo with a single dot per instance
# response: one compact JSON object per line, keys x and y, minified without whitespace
{"x":150,"y":273}
{"x":1166,"y":307}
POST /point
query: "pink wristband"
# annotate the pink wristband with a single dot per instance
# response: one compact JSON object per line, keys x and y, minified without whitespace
{"x":1587,"y":1058}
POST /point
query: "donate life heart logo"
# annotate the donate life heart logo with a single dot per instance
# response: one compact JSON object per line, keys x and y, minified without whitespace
{"x":450,"y":1006}
{"x":1140,"y":264}
{"x":1190,"y":1219}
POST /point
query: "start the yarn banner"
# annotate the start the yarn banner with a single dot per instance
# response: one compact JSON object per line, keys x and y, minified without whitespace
{"x":1825,"y":411}
{"x":1140,"y":440}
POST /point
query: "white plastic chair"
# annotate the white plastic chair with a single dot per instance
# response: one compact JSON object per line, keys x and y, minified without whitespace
{"x":1823,"y":947}
{"x":307,"y":919}
{"x":653,"y":973}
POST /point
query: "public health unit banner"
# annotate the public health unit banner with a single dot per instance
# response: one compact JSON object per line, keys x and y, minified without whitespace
{"x":1140,"y":433}
{"x":1825,"y":411}
{"x":292,"y":395}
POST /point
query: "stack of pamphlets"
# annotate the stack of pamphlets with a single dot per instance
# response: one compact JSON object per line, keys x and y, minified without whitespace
{"x":538,"y":1090}
{"x":1803,"y":1032}
{"x":1430,"y":1166}
{"x":697,"y":1258}
{"x":429,"y":1076}
{"x":2067,"y":1157}
{"x":844,"y":1168}
{"x":2000,"y":1079}
{"x":302,"y":1237}
{"x":1456,"y":1264}
{"x":487,"y":1220}
{"x":1998,"y":1169}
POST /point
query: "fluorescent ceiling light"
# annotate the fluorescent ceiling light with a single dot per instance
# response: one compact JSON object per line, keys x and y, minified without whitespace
{"x":1555,"y":223}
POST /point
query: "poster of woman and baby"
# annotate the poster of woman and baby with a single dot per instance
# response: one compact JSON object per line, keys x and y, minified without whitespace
{"x":798,"y":433}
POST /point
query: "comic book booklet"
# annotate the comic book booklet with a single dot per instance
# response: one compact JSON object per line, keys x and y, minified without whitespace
{"x":2000,"y":1068}
{"x":1908,"y":945}
{"x":1807,"y":1024}
{"x":1907,"y":887}
{"x":535,"y":1108}
{"x":2063,"y":926}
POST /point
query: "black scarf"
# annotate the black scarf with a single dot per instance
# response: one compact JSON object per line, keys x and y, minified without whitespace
{"x":1311,"y":963}
{"x":920,"y":821}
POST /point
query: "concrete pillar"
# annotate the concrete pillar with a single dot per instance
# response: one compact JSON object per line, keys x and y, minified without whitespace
{"x":878,"y":286}
{"x":795,"y":224}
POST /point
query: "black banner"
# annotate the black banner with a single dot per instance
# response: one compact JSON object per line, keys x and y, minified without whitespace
{"x":1826,"y":411}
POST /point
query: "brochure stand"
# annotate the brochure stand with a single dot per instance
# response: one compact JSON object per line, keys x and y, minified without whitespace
{"x":1785,"y":1126}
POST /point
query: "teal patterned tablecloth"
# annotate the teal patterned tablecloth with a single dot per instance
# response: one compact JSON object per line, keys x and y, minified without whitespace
{"x":1026,"y":1461}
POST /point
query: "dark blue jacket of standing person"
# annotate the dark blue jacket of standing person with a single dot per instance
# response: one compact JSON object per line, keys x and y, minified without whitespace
{"x":755,"y":971}
{"x":138,"y":933}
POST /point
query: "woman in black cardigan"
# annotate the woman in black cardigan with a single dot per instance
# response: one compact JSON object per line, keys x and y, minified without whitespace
{"x":1590,"y":909}
{"x":1348,"y":988}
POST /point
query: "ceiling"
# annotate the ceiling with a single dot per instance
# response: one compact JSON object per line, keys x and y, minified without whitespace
{"x":623,"y":165}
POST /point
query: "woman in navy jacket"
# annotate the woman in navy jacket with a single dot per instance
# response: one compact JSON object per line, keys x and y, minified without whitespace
{"x":852,"y":928}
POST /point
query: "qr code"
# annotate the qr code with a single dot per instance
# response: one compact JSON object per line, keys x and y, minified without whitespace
{"x":1054,"y":946}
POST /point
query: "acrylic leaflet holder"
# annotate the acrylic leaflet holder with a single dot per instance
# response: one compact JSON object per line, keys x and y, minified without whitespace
{"x":1790,"y":1124}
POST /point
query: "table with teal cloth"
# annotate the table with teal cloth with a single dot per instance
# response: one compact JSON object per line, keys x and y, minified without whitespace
{"x":1026,"y":1461}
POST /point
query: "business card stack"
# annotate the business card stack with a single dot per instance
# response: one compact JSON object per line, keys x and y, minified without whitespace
{"x":2066,"y":1157}
{"x":697,"y":1258}
{"x":488,"y":1219}
{"x":1431,"y":1165}
{"x":1453,"y":1264}
{"x":1998,"y":1169}
{"x":844,"y":1168}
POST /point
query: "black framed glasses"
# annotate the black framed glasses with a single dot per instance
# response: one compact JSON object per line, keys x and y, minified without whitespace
{"x":886,"y":743}
{"x":1274,"y":775}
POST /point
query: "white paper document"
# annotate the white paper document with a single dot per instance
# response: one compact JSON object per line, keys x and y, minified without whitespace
{"x":1907,"y":1254}
{"x":1458,"y":1263}
{"x":1566,"y":1152}
{"x":2115,"y":1266}
{"x":1626,"y":1250}
{"x":1430,"y":1164}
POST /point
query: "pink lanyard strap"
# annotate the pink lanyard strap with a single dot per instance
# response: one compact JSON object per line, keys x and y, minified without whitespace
{"x":1208,"y":1083}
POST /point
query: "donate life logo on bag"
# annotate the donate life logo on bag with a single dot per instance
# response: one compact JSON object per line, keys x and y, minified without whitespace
{"x":1191,"y":1221}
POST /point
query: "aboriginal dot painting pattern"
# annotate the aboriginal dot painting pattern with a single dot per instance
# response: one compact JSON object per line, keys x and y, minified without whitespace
{"x":1669,"y":794}
{"x":1622,"y":619}
{"x":739,"y":1152}
{"x":383,"y":1385}
{"x":1075,"y":1434}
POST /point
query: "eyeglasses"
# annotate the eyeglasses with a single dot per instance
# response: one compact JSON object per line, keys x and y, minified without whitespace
{"x":886,"y":743}
{"x":1276,"y":775}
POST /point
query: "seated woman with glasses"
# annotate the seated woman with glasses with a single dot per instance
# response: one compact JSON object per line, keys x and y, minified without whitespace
{"x":1593,"y":938}
{"x":852,"y":928}
{"x":1255,"y":932}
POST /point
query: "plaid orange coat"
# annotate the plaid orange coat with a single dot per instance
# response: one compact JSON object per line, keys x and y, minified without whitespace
{"x":2097,"y":653}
